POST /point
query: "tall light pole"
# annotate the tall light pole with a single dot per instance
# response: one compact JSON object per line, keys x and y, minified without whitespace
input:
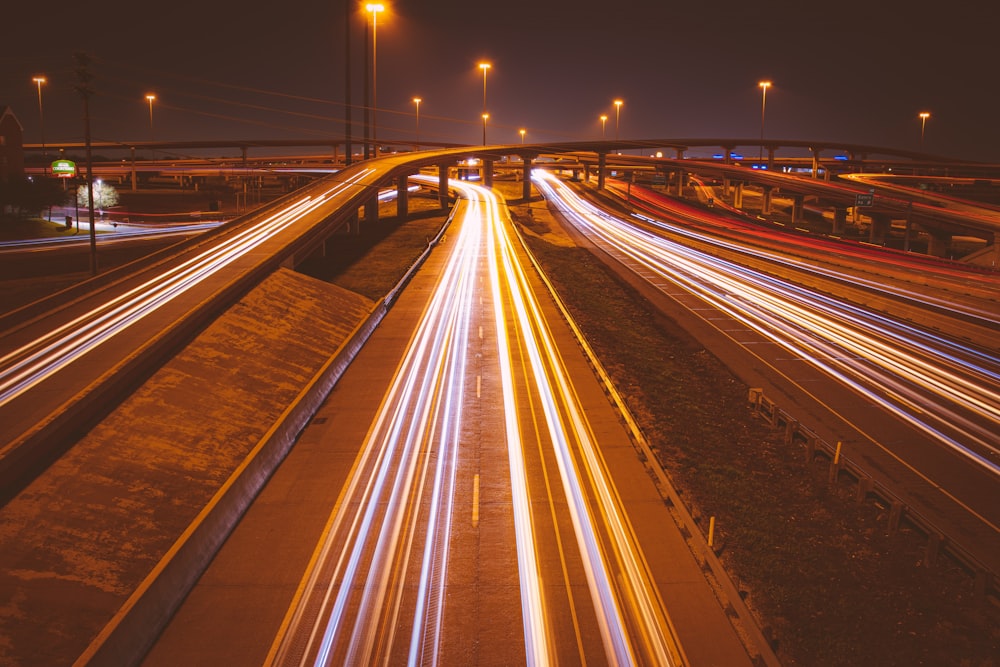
{"x":39,"y":80}
{"x":924,"y":115}
{"x":618,"y":116}
{"x":149,"y":98}
{"x":522,"y":132}
{"x":764,"y":85}
{"x":417,"y":101}
{"x":485,"y":67}
{"x":604,"y":125}
{"x":374,"y":9}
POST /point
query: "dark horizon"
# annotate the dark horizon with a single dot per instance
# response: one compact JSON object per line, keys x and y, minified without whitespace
{"x":855,"y":76}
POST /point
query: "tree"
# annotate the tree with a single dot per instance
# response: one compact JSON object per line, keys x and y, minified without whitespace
{"x":105,"y":196}
{"x":30,"y":196}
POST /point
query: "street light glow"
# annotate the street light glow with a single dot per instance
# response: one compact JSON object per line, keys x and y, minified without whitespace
{"x":417,"y":101}
{"x":485,"y":67}
{"x":764,"y":85}
{"x":374,"y":9}
{"x":618,"y":114}
{"x":39,"y":80}
{"x":924,"y":115}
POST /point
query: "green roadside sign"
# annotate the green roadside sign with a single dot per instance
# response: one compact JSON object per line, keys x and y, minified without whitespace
{"x":64,"y":168}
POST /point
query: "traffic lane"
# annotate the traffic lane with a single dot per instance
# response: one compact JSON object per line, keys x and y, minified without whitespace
{"x":237,"y":607}
{"x":880,"y":445}
{"x":53,"y":362}
{"x":705,"y":632}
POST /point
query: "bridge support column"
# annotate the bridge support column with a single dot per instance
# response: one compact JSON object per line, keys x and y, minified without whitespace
{"x":765,"y":200}
{"x":602,"y":170}
{"x":526,"y":176}
{"x":487,"y":179}
{"x":133,"y":170}
{"x":443,"y":185}
{"x":586,"y":173}
{"x":738,"y":195}
{"x":996,"y":251}
{"x":940,"y":243}
{"x":680,"y":153}
{"x":815,"y":162}
{"x":839,"y":220}
{"x":879,"y":228}
{"x":402,"y":197}
{"x":371,"y":208}
{"x":770,"y":158}
{"x":797,"y":202}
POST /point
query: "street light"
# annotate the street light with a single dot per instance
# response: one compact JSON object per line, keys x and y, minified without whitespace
{"x":417,"y":101}
{"x":485,"y":67}
{"x":604,"y":125}
{"x":522,"y":132}
{"x":924,"y":115}
{"x":39,"y":80}
{"x":149,"y":98}
{"x":764,"y":85}
{"x":375,"y":9}
{"x":618,"y":114}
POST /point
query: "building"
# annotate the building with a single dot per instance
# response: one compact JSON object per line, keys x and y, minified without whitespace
{"x":11,"y":145}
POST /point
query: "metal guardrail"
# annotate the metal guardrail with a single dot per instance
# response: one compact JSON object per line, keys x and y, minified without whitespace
{"x":986,"y":582}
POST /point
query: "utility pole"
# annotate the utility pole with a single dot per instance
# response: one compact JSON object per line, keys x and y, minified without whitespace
{"x":347,"y":82}
{"x":85,"y":89}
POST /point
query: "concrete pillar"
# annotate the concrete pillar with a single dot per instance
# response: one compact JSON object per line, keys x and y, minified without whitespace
{"x":940,"y":243}
{"x":996,"y":250}
{"x":487,"y":179}
{"x":602,"y":169}
{"x":879,"y":228}
{"x":586,"y":172}
{"x":680,"y":153}
{"x":526,"y":177}
{"x":797,"y":201}
{"x":443,"y":185}
{"x":133,"y":170}
{"x":682,"y":180}
{"x":839,"y":220}
{"x":738,"y":195}
{"x":371,"y":208}
{"x":765,"y":200}
{"x":770,"y":158}
{"x":815,"y":162}
{"x":402,"y":199}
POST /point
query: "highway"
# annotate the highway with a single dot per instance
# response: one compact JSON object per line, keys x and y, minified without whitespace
{"x":378,"y":591}
{"x":467,"y":495}
{"x":937,"y":397}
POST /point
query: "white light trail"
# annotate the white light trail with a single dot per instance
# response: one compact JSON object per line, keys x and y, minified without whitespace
{"x":30,"y":364}
{"x":938,"y":386}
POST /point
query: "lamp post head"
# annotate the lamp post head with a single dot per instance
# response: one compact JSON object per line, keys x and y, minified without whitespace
{"x":40,"y":80}
{"x":150,"y":97}
{"x":604,"y":118}
{"x":764,"y":85}
{"x":486,"y":117}
{"x":375,"y":8}
{"x":619,"y":103}
{"x":417,"y":101}
{"x":484,"y":67}
{"x":924,"y":115}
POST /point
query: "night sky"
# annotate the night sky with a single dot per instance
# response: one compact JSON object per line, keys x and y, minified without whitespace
{"x":841,"y":71}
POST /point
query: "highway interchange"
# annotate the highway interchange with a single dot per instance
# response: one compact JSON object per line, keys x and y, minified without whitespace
{"x":482,"y":365}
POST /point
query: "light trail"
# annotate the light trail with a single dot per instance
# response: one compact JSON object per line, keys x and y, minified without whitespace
{"x":23,"y":368}
{"x":396,"y":511}
{"x":938,"y":386}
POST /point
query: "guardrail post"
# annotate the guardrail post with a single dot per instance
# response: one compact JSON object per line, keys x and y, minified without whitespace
{"x":895,"y":514}
{"x":791,"y":426}
{"x":865,"y":485}
{"x":934,"y":541}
